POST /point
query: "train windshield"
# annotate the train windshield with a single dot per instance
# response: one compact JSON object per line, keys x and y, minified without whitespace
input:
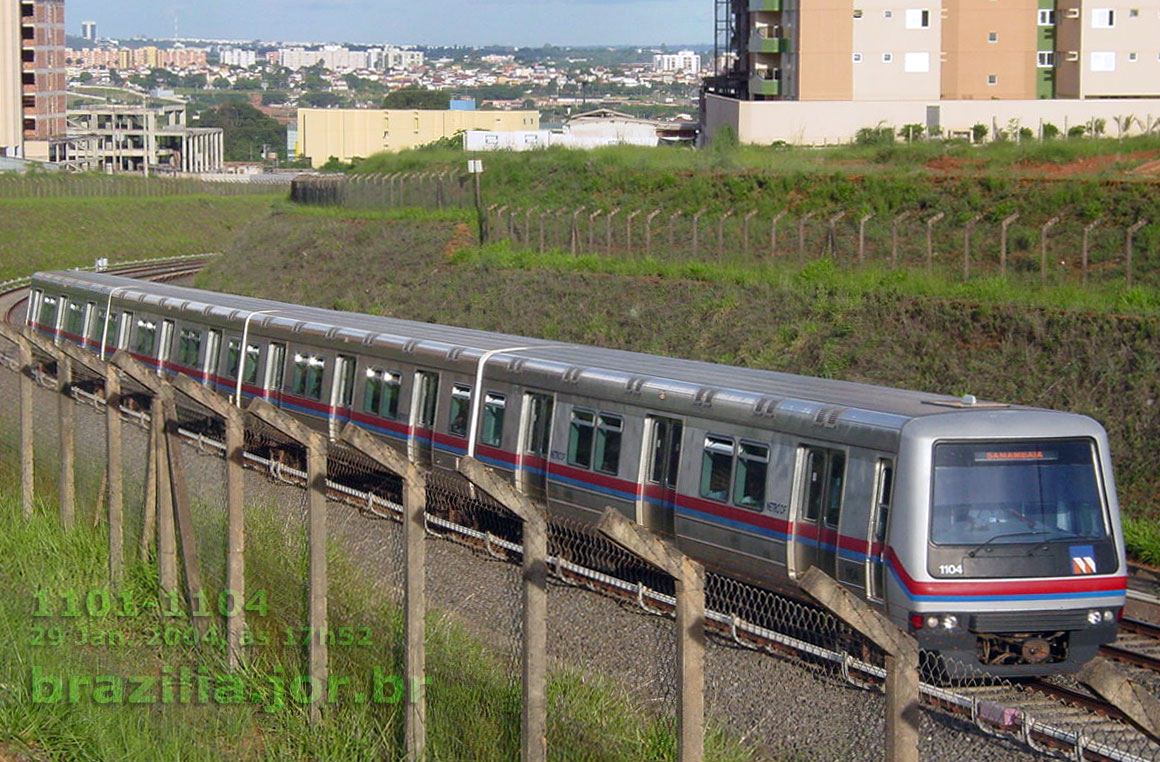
{"x":1023,"y":492}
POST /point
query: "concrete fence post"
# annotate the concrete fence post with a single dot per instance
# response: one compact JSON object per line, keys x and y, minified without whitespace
{"x":499,"y":226}
{"x":574,"y":234}
{"x":696,"y":224}
{"x":1003,"y":241}
{"x":721,"y":232}
{"x":805,"y":218}
{"x":114,"y":477}
{"x":862,"y":236}
{"x":316,"y":454}
{"x":1128,"y":248}
{"x":968,"y":228}
{"x":648,"y":232}
{"x":27,"y":448}
{"x":235,"y":590}
{"x":902,"y":686}
{"x":898,"y":220}
{"x":672,"y":222}
{"x":528,"y":226}
{"x":689,"y":576}
{"x":628,"y":230}
{"x":592,"y":229}
{"x":414,"y":594}
{"x":182,"y":514}
{"x":608,"y":230}
{"x":832,"y":233}
{"x":773,"y":231}
{"x":543,"y":214}
{"x":1043,"y":247}
{"x":745,"y":230}
{"x":68,"y":441}
{"x":534,"y":716}
{"x":1087,"y":231}
{"x":930,"y":240}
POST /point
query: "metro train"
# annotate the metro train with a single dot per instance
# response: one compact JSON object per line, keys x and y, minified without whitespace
{"x":990,"y":532}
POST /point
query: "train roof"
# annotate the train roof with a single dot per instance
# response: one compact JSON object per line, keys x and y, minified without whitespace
{"x":888,"y":407}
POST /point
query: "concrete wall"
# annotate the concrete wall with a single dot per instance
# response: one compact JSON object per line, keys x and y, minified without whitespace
{"x":829,"y":122}
{"x":822,"y":48}
{"x":347,"y":133}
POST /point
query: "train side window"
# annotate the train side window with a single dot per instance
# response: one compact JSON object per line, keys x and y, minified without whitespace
{"x":460,"y":409}
{"x":189,"y":348}
{"x":48,"y":311}
{"x":716,"y":468}
{"x":815,"y":482}
{"x":885,"y":494}
{"x":308,"y":373}
{"x":75,"y":324}
{"x":836,"y":479}
{"x":253,"y":359}
{"x":494,"y":407}
{"x":580,"y":438}
{"x":146,"y":341}
{"x":749,"y":481}
{"x":373,"y":391}
{"x":609,"y":429}
{"x":101,"y":334}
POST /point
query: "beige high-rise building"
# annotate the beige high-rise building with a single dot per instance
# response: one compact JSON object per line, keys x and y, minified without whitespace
{"x":989,"y":49}
{"x":1107,"y":49}
{"x":32,"y":60}
{"x":932,"y":50}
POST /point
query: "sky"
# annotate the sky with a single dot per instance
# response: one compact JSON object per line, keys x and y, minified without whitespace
{"x":417,"y":22}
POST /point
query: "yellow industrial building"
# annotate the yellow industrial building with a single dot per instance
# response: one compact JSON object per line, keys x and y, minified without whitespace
{"x":347,"y":133}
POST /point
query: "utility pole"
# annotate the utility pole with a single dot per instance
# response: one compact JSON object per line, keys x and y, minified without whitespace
{"x":475,"y":167}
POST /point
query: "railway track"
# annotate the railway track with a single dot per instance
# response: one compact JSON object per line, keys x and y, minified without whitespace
{"x":13,"y":293}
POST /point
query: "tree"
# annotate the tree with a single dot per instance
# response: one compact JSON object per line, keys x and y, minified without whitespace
{"x":194,"y":81}
{"x":412,"y":97}
{"x":86,"y":77}
{"x":221,"y":83}
{"x":319,"y":100}
{"x":246,"y":130}
{"x":978,"y":132}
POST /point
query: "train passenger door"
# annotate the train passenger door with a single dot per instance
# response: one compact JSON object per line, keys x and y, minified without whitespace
{"x":536,"y":444}
{"x":818,"y":508}
{"x":662,"y":462}
{"x":165,"y":351}
{"x":275,"y":373}
{"x":424,"y":399}
{"x":879,"y":520}
{"x":341,"y":394}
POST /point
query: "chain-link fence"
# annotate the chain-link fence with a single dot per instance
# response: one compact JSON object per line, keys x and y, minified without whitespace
{"x":427,"y":190}
{"x":786,"y":677}
{"x":77,"y":186}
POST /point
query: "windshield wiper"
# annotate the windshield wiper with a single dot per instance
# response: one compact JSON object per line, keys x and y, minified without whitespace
{"x":972,"y":553}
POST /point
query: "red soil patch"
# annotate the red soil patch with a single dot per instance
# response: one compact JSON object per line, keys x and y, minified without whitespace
{"x":952,"y":163}
{"x":1088,"y":166}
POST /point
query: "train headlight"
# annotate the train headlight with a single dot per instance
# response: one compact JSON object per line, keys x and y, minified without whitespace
{"x":931,"y":622}
{"x":950,"y":621}
{"x":1109,"y":615}
{"x":1095,"y":617}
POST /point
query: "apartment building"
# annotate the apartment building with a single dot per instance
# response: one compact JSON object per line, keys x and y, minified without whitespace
{"x":32,"y":78}
{"x":1107,"y":49}
{"x":869,"y":50}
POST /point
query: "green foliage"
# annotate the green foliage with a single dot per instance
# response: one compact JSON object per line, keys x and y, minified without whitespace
{"x":415,"y":97}
{"x":321,"y":99}
{"x":1050,"y":131}
{"x":1076,"y":131}
{"x":1142,"y":537}
{"x":873,"y":136}
{"x":978,"y":132}
{"x":911,"y":132}
{"x":246,"y":130}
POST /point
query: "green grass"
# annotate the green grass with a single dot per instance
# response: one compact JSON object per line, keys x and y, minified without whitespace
{"x":403,"y":214}
{"x":869,"y":281}
{"x":473,"y":701}
{"x":55,"y":233}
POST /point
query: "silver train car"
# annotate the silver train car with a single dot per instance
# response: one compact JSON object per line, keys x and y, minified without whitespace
{"x":991,"y":532}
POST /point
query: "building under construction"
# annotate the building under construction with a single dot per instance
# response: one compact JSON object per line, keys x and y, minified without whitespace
{"x":118,"y":138}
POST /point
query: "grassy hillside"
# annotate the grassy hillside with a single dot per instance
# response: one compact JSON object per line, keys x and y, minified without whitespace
{"x":815,"y":320}
{"x":44,"y":233}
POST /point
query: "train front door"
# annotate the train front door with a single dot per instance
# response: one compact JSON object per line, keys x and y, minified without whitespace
{"x":662,"y":460}
{"x":536,"y":444}
{"x":817,"y":509}
{"x":424,"y":400}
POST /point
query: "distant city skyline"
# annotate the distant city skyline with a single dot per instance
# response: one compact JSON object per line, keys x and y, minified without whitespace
{"x":450,"y":22}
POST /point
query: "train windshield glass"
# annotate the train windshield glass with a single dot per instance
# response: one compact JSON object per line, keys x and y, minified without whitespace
{"x":1025,"y":492}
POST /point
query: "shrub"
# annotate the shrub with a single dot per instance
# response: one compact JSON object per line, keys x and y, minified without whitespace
{"x":1076,"y":131}
{"x":910,"y":132}
{"x":979,"y":132}
{"x":1026,"y":133}
{"x":1050,"y":131}
{"x":873,"y":136}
